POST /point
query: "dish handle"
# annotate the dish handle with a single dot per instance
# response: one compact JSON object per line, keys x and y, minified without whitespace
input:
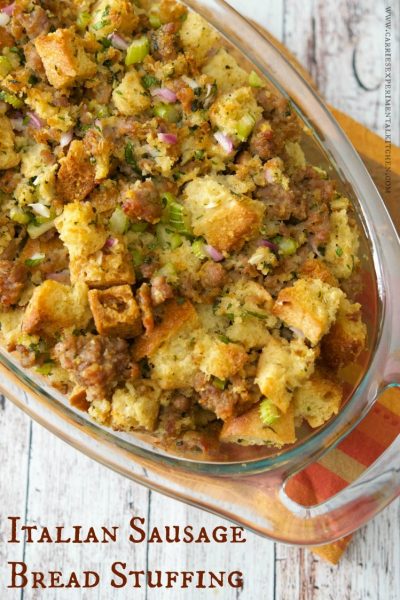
{"x":346,"y":511}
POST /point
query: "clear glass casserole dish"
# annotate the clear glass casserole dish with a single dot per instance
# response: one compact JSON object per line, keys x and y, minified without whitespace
{"x":251,"y":491}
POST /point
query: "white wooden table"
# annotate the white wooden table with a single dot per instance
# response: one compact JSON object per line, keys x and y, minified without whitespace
{"x":46,"y":482}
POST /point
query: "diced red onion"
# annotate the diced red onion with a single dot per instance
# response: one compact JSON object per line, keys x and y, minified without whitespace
{"x":314,"y":248}
{"x":66,"y":138}
{"x":40,"y":209}
{"x":270,"y":175}
{"x":224,"y":141}
{"x":110,"y":242}
{"x":167,"y":138}
{"x":34,"y":120}
{"x":17,"y":124}
{"x":165,"y":93}
{"x":213,"y":253}
{"x":297,"y":332}
{"x":98,"y":124}
{"x":118,"y":41}
{"x":191,"y":82}
{"x":8,"y":9}
{"x":61,"y":276}
{"x":270,"y":245}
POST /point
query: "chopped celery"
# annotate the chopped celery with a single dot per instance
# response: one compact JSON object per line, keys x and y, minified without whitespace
{"x":119,"y":222}
{"x":137,"y":51}
{"x":168,"y":238}
{"x":268,"y":412}
{"x":174,"y":214}
{"x":5,"y":66}
{"x":169,"y":272}
{"x":19,"y":216}
{"x":198,"y":249}
{"x":35,"y":260}
{"x":287,"y":246}
{"x":219,"y":383}
{"x":168,"y":112}
{"x":45,"y":368}
{"x":176,"y":241}
{"x":83,"y":20}
{"x":36,"y":231}
{"x":11,"y":99}
{"x":255,"y":80}
{"x":139,"y":227}
{"x":137,"y":257}
{"x":154,"y":20}
{"x":245,"y":126}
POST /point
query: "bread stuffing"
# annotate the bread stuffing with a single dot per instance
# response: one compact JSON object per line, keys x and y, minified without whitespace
{"x":169,"y":258}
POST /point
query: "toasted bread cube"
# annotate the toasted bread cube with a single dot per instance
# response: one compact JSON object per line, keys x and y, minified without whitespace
{"x":226,"y":72}
{"x":113,"y":15}
{"x":316,"y":269}
{"x":176,"y":316}
{"x":10,"y":326}
{"x":282,"y":367}
{"x":342,"y":248}
{"x":100,"y":411}
{"x":225,"y":220}
{"x":76,"y":177}
{"x":219,"y":359}
{"x":130,"y":97}
{"x":248,"y":305}
{"x":78,"y":398}
{"x":8,"y":157}
{"x":106,"y":267}
{"x":80,"y":231}
{"x":136,"y":406}
{"x":309,"y":306}
{"x":197,"y":37}
{"x":347,"y":336}
{"x":62,"y":118}
{"x":55,"y":306}
{"x":64,"y":58}
{"x":173,"y":363}
{"x":115,"y":311}
{"x":231,"y":107}
{"x":317,"y":400}
{"x":249,"y":430}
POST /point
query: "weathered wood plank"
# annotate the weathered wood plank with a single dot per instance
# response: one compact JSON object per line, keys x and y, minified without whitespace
{"x":15,"y":429}
{"x":67,"y":488}
{"x":266,"y":14}
{"x":342,"y":45}
{"x":255,"y":558}
{"x":369,"y":570}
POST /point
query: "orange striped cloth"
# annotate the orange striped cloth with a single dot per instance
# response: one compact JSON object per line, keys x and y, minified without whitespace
{"x":347,"y":461}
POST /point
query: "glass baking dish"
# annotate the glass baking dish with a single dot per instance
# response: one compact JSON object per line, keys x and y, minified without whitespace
{"x":252,"y":491}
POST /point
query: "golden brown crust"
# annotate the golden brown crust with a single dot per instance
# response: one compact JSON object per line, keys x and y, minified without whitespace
{"x":64,"y":58}
{"x":115,"y":311}
{"x":309,"y":306}
{"x":346,"y":338}
{"x":175,"y":316}
{"x":104,"y":268}
{"x":55,"y":307}
{"x":76,"y":176}
{"x":316,"y":269}
{"x":78,"y":398}
{"x":229,"y":232}
{"x":248,"y":429}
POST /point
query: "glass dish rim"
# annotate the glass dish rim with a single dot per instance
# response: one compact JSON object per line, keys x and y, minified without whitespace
{"x":314,"y":443}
